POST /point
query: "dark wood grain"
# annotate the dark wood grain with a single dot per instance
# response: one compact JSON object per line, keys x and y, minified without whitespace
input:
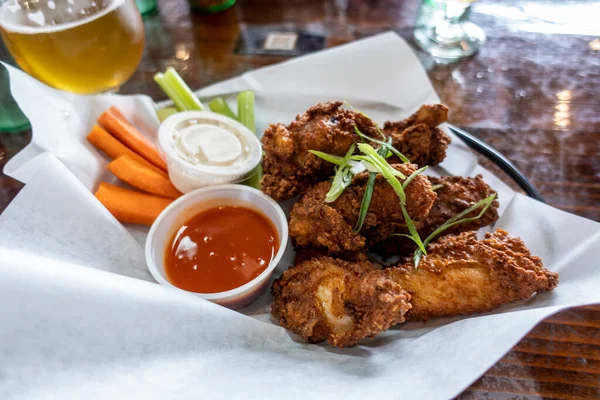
{"x":531,"y":92}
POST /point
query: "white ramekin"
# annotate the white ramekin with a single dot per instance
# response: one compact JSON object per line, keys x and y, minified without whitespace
{"x":187,"y":176}
{"x":189,"y":205}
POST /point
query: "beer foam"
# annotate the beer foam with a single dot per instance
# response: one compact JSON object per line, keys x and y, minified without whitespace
{"x":11,"y":17}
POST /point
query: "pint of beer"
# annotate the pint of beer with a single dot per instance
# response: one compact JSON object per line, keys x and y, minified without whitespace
{"x":81,"y":46}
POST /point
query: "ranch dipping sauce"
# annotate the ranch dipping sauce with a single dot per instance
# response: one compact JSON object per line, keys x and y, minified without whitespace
{"x":204,"y":148}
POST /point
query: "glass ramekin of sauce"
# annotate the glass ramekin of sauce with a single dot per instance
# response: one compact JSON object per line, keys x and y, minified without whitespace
{"x":204,"y":148}
{"x":221,"y":243}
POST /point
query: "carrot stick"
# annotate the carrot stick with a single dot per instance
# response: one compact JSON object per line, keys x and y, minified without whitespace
{"x":104,"y":142}
{"x":118,"y":126}
{"x":140,"y":176}
{"x":129,"y":206}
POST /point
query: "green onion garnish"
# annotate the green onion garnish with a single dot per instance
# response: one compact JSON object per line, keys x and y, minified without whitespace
{"x":337,"y":160}
{"x":384,"y":169}
{"x":342,"y":179}
{"x":220,"y":106}
{"x":387,"y":145}
{"x":457,"y":219}
{"x":436,"y":187}
{"x":366,"y":202}
{"x":412,"y":230}
{"x":412,"y":176}
{"x":366,"y":116}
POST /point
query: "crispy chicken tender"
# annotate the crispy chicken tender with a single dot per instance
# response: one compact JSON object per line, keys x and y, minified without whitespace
{"x":331,"y":225}
{"x":341,"y":302}
{"x":288,"y":168}
{"x":418,"y":138}
{"x":462,"y":275}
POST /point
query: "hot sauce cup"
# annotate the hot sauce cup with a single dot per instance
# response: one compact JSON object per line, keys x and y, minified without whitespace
{"x":197,"y":201}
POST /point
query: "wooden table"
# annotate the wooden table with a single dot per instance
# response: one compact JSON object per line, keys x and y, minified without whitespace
{"x":532,"y":92}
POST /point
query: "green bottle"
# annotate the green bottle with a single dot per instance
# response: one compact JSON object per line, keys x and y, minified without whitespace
{"x":12,"y":120}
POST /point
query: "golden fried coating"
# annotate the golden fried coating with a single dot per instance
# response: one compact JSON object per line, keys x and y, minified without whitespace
{"x":454,"y":196}
{"x":462,"y":275}
{"x":341,"y":302}
{"x":288,"y":168}
{"x":331,"y":225}
{"x":418,"y":138}
{"x":306,"y":253}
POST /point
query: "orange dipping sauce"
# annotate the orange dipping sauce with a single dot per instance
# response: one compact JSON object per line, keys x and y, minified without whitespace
{"x":220,"y":249}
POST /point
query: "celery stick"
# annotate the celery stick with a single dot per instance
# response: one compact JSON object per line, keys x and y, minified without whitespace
{"x":188,"y":97}
{"x":254,"y":180}
{"x":220,"y":106}
{"x":164,"y":113}
{"x":246,"y":116}
{"x":169,"y":91}
{"x":246,"y":109}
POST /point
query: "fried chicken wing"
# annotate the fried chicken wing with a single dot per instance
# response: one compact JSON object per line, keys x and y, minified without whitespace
{"x":341,"y":302}
{"x":288,"y":168}
{"x":418,"y":138}
{"x":462,"y":275}
{"x":455,"y":195}
{"x":331,"y":225}
{"x":306,"y":253}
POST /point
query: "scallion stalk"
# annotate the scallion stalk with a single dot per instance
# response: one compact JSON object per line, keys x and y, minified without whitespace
{"x":384,"y":169}
{"x":368,"y":195}
{"x":220,"y":106}
{"x":384,"y":144}
{"x":412,"y":230}
{"x":342,"y":179}
{"x":337,"y":160}
{"x":457,"y":219}
{"x":413,"y":176}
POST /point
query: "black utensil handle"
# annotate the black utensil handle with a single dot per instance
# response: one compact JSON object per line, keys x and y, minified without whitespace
{"x":498,"y":159}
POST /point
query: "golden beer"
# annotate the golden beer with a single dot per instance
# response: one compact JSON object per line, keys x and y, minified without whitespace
{"x":87,"y":47}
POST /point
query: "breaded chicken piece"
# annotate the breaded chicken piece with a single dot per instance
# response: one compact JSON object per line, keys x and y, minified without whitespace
{"x":341,"y":302}
{"x":462,"y":275}
{"x":288,"y":168}
{"x":418,"y":138}
{"x":306,"y":253}
{"x":331,"y":225}
{"x":454,"y":196}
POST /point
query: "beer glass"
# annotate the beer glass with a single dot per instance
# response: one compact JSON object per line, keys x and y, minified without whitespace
{"x":81,"y":46}
{"x":443,"y":29}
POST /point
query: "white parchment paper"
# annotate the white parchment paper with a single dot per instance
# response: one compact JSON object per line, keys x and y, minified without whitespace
{"x":74,"y":324}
